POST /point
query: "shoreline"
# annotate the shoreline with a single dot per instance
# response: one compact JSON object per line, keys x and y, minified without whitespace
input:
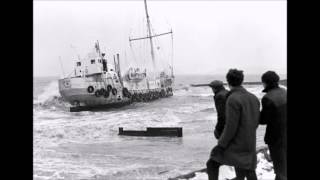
{"x":263,"y":150}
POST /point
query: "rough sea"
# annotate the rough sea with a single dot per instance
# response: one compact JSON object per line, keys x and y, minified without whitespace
{"x":86,"y":145}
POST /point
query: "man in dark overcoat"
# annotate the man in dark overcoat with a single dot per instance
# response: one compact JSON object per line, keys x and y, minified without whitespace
{"x":274,"y":115}
{"x":237,"y":144}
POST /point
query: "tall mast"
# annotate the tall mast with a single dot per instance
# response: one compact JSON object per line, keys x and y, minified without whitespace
{"x":97,"y":46}
{"x":150,"y":35}
{"x":172,"y":54}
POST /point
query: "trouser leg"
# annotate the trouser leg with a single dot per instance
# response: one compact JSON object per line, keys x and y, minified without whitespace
{"x":251,"y":175}
{"x":242,"y":173}
{"x":279,"y":159}
{"x":213,"y":169}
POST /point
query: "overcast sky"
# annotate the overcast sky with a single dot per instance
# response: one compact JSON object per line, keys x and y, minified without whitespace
{"x":209,"y":36}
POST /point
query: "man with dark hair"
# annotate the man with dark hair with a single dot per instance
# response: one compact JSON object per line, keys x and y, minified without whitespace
{"x":274,"y":115}
{"x":237,"y":144}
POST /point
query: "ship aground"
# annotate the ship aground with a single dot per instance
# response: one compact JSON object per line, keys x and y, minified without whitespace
{"x":98,"y":83}
{"x":95,"y":83}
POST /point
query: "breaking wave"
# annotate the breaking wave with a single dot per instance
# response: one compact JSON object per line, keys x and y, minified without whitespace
{"x":50,"y":98}
{"x":205,"y":92}
{"x":186,"y":90}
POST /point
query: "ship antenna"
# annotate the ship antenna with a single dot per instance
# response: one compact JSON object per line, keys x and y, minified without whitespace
{"x":97,"y":46}
{"x":61,"y":66}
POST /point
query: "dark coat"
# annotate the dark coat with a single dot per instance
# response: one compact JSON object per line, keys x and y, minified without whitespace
{"x":238,"y":138}
{"x":220,"y":98}
{"x":274,"y":115}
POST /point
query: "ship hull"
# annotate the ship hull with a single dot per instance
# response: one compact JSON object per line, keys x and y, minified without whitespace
{"x":100,"y":107}
{"x":76,"y":92}
{"x":146,"y":96}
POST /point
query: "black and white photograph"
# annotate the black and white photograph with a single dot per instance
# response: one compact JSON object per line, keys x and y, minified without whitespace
{"x":159,"y":90}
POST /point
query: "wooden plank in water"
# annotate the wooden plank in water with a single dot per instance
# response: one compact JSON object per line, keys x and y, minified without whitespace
{"x":154,"y":131}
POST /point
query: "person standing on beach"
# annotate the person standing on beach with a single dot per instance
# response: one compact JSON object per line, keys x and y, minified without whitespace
{"x":220,"y":98}
{"x":274,"y":115}
{"x":237,"y":144}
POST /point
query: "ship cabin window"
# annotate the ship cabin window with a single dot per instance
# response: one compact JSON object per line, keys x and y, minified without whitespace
{"x":78,"y":63}
{"x":99,"y":60}
{"x":111,"y":69}
{"x":93,"y":61}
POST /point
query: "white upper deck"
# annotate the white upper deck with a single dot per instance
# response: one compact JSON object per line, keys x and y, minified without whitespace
{"x":93,"y":64}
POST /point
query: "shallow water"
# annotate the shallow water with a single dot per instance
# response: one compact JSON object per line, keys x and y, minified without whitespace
{"x":85,"y":145}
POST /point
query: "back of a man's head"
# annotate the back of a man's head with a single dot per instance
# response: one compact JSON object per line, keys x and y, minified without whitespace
{"x":235,"y":77}
{"x":216,"y":84}
{"x":270,"y":78}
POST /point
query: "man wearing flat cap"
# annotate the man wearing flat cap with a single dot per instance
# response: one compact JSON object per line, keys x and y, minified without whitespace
{"x":220,"y":98}
{"x":274,"y":115}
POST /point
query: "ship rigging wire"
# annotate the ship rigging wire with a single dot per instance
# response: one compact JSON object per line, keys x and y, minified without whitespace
{"x":160,"y":56}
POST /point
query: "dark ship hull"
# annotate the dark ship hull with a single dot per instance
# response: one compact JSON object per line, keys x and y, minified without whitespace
{"x":99,"y":92}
